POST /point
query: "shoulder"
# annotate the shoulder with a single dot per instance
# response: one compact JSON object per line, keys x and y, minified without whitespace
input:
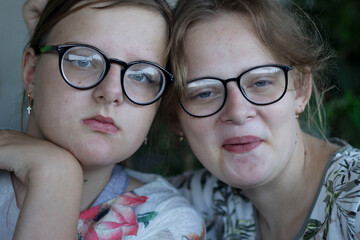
{"x":150,"y":183}
{"x":345,"y":160}
{"x":8,"y":209}
{"x":202,"y":188}
{"x":226,"y":210}
{"x":5,"y":177}
{"x":342,"y":177}
{"x":336,"y":211}
{"x":160,"y":193}
{"x":6,"y":189}
{"x":195,"y":185}
{"x":165,"y":214}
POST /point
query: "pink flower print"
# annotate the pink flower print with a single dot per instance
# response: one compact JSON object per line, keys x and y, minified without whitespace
{"x":111,"y":220}
{"x":194,"y":236}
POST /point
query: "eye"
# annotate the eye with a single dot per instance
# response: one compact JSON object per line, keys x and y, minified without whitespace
{"x":80,"y":61}
{"x":259,"y":83}
{"x":262,"y":83}
{"x":83,"y":63}
{"x":145,"y":74}
{"x":139,"y":76}
{"x":204,"y":94}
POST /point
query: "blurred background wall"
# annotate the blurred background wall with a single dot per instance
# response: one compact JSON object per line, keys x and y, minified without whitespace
{"x":13,"y":38}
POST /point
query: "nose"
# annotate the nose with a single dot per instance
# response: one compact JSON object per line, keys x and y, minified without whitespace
{"x":109,"y":91}
{"x":236,"y":109}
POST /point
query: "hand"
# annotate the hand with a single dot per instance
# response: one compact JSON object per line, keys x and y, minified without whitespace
{"x":32,"y":10}
{"x":25,"y":155}
{"x":48,"y":186}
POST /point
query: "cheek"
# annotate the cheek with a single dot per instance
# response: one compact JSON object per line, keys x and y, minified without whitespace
{"x":137,"y":121}
{"x":201,"y":135}
{"x":281,"y":112}
{"x":57,"y":107}
{"x":281,"y":123}
{"x":194,"y":127}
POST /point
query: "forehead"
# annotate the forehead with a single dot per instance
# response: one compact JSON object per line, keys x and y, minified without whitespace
{"x":227,"y":43}
{"x":125,"y":30}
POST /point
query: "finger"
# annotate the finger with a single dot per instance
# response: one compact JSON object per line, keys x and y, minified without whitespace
{"x":32,"y":10}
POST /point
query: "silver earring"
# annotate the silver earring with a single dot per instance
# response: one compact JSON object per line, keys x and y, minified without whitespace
{"x":30,"y":103}
{"x":146,"y":141}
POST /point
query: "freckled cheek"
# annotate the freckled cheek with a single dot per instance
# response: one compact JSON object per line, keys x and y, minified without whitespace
{"x":197,"y":126}
{"x":201,"y":134}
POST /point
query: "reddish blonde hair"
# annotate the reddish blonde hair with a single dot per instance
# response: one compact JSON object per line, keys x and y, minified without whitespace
{"x":278,"y":27}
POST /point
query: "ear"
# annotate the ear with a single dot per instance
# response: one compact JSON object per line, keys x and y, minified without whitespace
{"x":174,"y":123}
{"x":303,"y":91}
{"x":28,"y":70}
{"x":178,"y":130}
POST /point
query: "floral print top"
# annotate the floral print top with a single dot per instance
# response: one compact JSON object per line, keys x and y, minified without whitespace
{"x":154,"y":211}
{"x":335,"y":213}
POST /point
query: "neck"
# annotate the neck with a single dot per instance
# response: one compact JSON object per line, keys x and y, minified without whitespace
{"x":284,"y":203}
{"x":95,"y":181}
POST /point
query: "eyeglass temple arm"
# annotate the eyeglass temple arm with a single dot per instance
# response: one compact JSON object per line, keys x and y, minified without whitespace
{"x":47,"y":48}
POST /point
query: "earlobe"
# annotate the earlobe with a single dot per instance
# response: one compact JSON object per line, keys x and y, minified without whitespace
{"x":178,"y":130}
{"x":28,"y":71}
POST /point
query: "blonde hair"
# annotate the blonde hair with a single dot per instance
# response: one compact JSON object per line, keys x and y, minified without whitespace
{"x":280,"y":29}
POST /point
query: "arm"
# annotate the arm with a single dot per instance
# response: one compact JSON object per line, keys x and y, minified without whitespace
{"x":43,"y":174}
{"x":166,"y":214}
{"x":31,"y":12}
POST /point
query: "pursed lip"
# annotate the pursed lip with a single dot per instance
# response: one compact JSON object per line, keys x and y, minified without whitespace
{"x":241,"y":144}
{"x":102,"y":124}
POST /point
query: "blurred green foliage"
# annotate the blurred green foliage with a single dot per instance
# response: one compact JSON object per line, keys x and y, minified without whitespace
{"x":339,"y":24}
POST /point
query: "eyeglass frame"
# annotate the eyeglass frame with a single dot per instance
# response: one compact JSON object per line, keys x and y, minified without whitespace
{"x":285,"y":68}
{"x":63,"y":48}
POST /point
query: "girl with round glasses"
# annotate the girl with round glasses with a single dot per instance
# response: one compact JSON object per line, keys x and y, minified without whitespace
{"x":245,"y":70}
{"x":93,"y":76}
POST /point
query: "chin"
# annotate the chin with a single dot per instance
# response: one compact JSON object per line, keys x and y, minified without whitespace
{"x":94,"y":155}
{"x":242,"y":175}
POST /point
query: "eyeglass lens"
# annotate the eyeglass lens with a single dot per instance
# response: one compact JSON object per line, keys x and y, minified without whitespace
{"x":84,"y":67}
{"x":262,"y":86}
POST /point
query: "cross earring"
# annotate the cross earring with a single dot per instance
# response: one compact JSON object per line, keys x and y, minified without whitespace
{"x":30,"y":102}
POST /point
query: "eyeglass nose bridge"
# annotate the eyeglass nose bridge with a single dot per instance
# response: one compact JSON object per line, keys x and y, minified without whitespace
{"x":124,"y":67}
{"x":237,"y":80}
{"x":108,"y":62}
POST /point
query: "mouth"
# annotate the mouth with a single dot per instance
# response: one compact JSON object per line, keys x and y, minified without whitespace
{"x":101,"y":124}
{"x":242,"y":144}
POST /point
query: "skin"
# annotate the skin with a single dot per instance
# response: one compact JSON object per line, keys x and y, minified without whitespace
{"x":53,"y":119}
{"x":269,"y":157}
{"x":31,"y":13}
{"x":41,"y":202}
{"x":58,"y":114}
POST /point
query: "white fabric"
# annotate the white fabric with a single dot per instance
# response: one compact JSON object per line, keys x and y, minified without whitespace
{"x":175,"y":218}
{"x":9,"y":212}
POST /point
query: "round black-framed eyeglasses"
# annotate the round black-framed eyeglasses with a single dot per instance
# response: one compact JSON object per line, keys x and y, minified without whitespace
{"x":84,"y":67}
{"x":260,"y":85}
